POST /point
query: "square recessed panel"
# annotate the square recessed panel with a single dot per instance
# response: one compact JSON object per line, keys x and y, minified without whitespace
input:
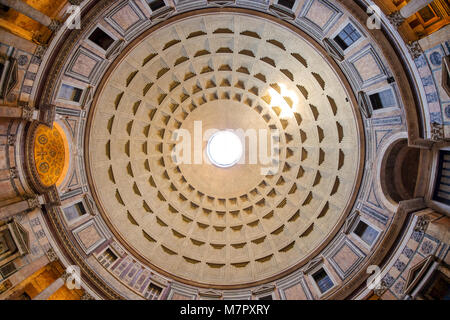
{"x":89,"y":236}
{"x":317,"y":17}
{"x":126,"y":18}
{"x":367,"y":67}
{"x":294,"y":287}
{"x":345,"y":257}
{"x":84,"y":65}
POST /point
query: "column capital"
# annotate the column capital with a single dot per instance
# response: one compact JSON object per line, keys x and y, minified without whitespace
{"x":75,"y":2}
{"x":422,"y":224}
{"x":12,"y":173}
{"x":66,"y":276}
{"x":414,"y":49}
{"x":54,"y":25}
{"x":40,"y":51}
{"x":437,"y":132}
{"x":27,"y":111}
{"x":51,"y":255}
{"x":396,"y":19}
{"x":33,"y":203}
{"x":381,"y":288}
{"x":11,"y":140}
{"x":38,"y":38}
{"x":87,"y":296}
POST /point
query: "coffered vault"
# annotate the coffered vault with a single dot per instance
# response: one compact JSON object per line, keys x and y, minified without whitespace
{"x":90,"y":176}
{"x":204,"y":223}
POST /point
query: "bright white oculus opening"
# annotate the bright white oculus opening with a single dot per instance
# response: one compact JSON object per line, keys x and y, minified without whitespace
{"x":224,"y":149}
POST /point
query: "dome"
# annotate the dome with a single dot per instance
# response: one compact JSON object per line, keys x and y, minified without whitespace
{"x":198,"y":221}
{"x":224,"y":149}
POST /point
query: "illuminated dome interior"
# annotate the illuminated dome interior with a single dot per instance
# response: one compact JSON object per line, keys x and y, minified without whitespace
{"x":200,"y":222}
{"x":224,"y":149}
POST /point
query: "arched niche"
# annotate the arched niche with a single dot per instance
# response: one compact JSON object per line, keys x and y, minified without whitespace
{"x":399,"y":170}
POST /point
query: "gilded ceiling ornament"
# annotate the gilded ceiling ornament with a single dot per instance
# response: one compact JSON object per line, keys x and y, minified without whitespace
{"x":49,"y":154}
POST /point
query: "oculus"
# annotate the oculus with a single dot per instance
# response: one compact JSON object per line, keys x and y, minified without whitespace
{"x":224,"y":149}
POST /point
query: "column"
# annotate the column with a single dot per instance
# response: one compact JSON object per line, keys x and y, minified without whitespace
{"x":31,"y":12}
{"x":17,"y":42}
{"x":11,"y":210}
{"x":45,"y":114}
{"x":24,"y":112}
{"x":413,"y":6}
{"x":51,"y":289}
{"x":398,"y":17}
